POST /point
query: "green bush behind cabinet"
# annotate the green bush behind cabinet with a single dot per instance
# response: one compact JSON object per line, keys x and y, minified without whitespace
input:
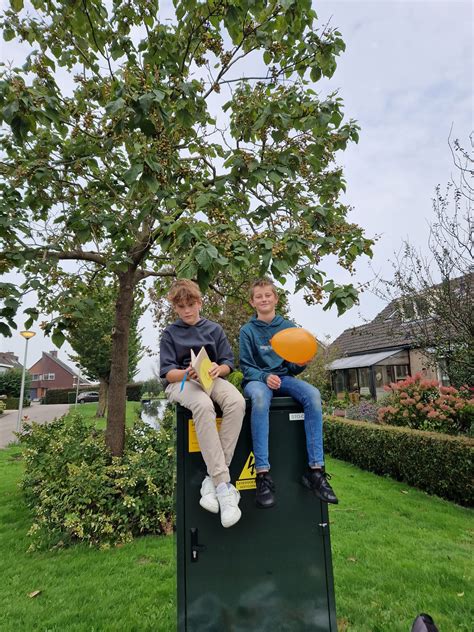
{"x":272,"y":572}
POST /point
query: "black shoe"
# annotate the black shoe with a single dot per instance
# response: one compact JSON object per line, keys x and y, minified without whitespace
{"x":317,"y":481}
{"x":265,"y":496}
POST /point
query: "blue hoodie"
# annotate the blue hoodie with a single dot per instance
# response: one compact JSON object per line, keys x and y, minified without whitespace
{"x":178,"y":339}
{"x":257,"y":358}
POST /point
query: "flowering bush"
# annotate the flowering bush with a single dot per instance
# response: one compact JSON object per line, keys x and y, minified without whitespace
{"x":425,"y":405}
{"x":363,"y":411}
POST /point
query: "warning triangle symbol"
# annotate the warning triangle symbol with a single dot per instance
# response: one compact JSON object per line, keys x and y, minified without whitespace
{"x":246,"y":479}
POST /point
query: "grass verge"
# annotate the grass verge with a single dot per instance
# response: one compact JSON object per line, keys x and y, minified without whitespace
{"x":398,"y":552}
{"x":128,"y":588}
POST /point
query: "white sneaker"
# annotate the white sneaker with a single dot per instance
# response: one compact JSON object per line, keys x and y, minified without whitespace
{"x":229,"y":506}
{"x":208,"y":496}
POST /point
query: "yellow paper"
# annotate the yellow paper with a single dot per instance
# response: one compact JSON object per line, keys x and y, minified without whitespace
{"x":202,"y":364}
{"x":204,"y":377}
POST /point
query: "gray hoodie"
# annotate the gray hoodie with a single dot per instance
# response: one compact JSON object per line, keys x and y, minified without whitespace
{"x":179,"y":338}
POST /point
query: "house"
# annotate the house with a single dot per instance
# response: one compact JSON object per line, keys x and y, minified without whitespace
{"x":8,"y":360}
{"x":51,"y":372}
{"x":378,"y":353}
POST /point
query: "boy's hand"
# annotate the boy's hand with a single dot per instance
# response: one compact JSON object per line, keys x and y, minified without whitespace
{"x":273,"y":382}
{"x":215,"y":371}
{"x":192,"y":375}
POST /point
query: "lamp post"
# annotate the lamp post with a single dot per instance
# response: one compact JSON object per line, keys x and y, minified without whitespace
{"x":77,"y":386}
{"x":26,"y":335}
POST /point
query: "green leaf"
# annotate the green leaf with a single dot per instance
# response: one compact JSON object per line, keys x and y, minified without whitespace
{"x":5,"y":330}
{"x":203,"y":200}
{"x":132,"y":174}
{"x":58,"y":338}
{"x":114,"y":106}
{"x":16,"y":5}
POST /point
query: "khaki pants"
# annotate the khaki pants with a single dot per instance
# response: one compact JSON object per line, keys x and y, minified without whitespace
{"x":217,"y":448}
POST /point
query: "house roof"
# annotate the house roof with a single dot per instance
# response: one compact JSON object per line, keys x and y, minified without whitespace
{"x":9,"y":360}
{"x":387,"y":330}
{"x":361,"y":360}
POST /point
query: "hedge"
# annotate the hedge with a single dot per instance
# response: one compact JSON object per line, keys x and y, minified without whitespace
{"x":62,"y":395}
{"x":12,"y":403}
{"x":134,"y":392}
{"x":436,"y":463}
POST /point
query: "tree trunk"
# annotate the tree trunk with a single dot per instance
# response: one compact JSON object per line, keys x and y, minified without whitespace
{"x":115,"y":430}
{"x":103,"y":391}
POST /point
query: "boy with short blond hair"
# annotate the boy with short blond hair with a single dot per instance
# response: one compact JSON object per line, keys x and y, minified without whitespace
{"x":266,"y":375}
{"x":191,"y":332}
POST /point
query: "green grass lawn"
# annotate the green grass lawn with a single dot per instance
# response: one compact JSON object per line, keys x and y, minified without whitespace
{"x":396,"y":552}
{"x":88,"y":412}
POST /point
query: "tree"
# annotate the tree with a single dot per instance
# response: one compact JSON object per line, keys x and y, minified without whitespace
{"x":434,"y":294}
{"x":10,"y":382}
{"x":90,"y":333}
{"x":192,"y":147}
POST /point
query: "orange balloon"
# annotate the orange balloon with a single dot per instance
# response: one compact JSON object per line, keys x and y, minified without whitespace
{"x":294,"y":345}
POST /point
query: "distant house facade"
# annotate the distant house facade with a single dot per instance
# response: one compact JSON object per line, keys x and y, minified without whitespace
{"x":378,"y":353}
{"x":8,"y":360}
{"x":51,"y":372}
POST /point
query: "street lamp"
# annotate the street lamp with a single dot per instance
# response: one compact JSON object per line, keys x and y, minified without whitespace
{"x":78,"y":378}
{"x":26,"y":335}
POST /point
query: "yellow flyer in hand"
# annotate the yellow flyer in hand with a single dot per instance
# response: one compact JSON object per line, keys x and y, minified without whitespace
{"x":202,"y":365}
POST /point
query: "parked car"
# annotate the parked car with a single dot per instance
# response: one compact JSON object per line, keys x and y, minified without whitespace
{"x":88,"y":396}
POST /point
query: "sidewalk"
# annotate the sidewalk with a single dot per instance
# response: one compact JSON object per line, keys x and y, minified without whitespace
{"x":38,"y":413}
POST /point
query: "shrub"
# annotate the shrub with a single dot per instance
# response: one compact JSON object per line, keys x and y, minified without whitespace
{"x":436,"y":463}
{"x":153,"y":386}
{"x":2,"y":407}
{"x":236,"y":378}
{"x":13,"y":403}
{"x":134,"y":392}
{"x":363,"y":411}
{"x":10,"y":382}
{"x":63,"y":395}
{"x":79,"y":492}
{"x":424,"y":405}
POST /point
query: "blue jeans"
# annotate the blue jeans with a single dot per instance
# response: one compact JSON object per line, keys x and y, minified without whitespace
{"x":308,"y":396}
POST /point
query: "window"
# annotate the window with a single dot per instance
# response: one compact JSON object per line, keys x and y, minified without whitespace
{"x":36,"y":377}
{"x":401,"y":371}
{"x":443,"y":376}
{"x":49,"y":376}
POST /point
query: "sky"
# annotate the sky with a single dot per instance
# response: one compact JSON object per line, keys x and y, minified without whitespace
{"x":407,"y":78}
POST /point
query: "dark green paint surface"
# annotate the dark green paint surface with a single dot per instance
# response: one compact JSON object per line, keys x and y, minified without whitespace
{"x":271,"y":572}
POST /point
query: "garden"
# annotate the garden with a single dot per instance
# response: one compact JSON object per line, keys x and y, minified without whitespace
{"x":78,"y":526}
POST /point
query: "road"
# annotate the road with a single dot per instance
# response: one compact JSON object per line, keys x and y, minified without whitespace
{"x":38,"y":413}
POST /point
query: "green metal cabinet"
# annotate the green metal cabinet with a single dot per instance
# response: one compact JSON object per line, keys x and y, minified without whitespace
{"x":272,"y":572}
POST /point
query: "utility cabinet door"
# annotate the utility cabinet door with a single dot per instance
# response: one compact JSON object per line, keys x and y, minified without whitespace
{"x":272,"y":571}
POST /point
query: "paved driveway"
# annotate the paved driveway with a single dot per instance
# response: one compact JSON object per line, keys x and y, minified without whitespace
{"x":38,"y":413}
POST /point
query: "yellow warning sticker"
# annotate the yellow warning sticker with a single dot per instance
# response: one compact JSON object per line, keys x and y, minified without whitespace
{"x":246,"y":479}
{"x":193,"y":443}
